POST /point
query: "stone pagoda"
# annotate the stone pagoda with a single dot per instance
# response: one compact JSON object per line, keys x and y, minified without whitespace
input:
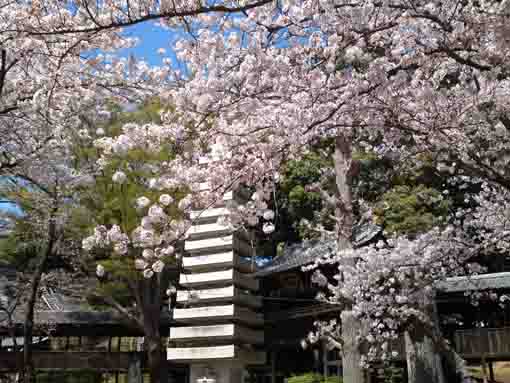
{"x":217,"y":328}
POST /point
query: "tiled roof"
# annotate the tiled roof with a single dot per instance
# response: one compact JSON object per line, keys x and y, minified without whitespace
{"x":297,"y":255}
{"x":476,"y":282}
{"x":303,"y":254}
{"x":59,"y":302}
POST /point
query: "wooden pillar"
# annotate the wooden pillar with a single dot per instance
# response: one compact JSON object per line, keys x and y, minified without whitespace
{"x":491,"y":371}
{"x":316,"y":360}
{"x":324,"y":360}
{"x":484,"y":369}
{"x":339,"y":366}
{"x":273,"y":366}
{"x":368,"y":376}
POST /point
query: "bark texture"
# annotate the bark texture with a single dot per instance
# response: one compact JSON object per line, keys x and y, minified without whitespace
{"x":151,"y":313}
{"x":343,"y":202}
{"x":351,"y":359}
{"x":157,"y":363}
{"x":28,"y":374}
{"x":423,"y":356}
{"x":344,"y":168}
{"x":423,"y":361}
{"x":135,"y":370}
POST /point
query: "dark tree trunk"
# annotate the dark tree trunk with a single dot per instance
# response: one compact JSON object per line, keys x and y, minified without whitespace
{"x":422,"y":356}
{"x":151,"y":317}
{"x":423,"y":361}
{"x":28,"y":373}
{"x":156,"y":360}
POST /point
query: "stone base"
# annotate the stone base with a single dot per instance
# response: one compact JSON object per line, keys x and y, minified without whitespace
{"x":217,"y":372}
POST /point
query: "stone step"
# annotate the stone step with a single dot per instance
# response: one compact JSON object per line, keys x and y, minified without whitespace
{"x":229,"y":294}
{"x":228,"y":352}
{"x":218,"y":277}
{"x":212,"y":314}
{"x":220,"y":332}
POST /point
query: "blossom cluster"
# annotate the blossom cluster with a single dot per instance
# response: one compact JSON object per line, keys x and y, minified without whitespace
{"x":150,"y":242}
{"x":266,"y":85}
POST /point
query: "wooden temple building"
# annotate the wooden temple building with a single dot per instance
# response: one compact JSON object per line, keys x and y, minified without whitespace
{"x":233,"y":323}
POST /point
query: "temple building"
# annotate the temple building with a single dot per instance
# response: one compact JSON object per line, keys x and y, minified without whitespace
{"x":232,"y":321}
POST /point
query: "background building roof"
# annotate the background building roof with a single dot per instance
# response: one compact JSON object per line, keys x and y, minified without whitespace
{"x":476,"y":282}
{"x":305,"y":253}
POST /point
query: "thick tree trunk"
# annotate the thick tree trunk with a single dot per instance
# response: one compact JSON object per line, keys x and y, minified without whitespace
{"x":352,"y":371}
{"x":343,"y":179}
{"x":423,"y":357}
{"x":453,"y":360}
{"x":151,"y":317}
{"x":134,"y":374}
{"x":423,"y":361}
{"x":351,"y":359}
{"x":28,"y":367}
{"x":156,"y":360}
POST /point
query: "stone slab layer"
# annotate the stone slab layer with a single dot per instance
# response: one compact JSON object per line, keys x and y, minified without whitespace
{"x":209,"y":244}
{"x":218,"y":313}
{"x":207,"y":230}
{"x":215,"y":277}
{"x":229,"y":294}
{"x":207,"y":261}
{"x":212,"y":333}
{"x":208,"y":213}
{"x":194,"y":354}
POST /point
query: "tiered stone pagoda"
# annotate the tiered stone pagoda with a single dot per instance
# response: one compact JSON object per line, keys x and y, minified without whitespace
{"x":217,"y":328}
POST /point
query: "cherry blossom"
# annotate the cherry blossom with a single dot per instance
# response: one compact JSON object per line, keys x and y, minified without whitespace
{"x":100,"y":271}
{"x":142,"y":202}
{"x":165,"y":199}
{"x":119,"y":177}
{"x":261,"y":87}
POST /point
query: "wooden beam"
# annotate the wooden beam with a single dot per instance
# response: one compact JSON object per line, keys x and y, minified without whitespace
{"x":77,"y":360}
{"x":491,"y":371}
{"x":273,"y":366}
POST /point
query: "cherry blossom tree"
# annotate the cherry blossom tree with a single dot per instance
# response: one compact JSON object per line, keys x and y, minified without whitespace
{"x":396,"y":77}
{"x":42,"y":194}
{"x":136,"y":224}
{"x":265,"y":83}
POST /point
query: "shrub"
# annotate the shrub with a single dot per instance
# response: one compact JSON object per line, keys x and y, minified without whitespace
{"x":311,"y":377}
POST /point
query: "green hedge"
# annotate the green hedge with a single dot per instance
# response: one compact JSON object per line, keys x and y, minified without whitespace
{"x":311,"y":377}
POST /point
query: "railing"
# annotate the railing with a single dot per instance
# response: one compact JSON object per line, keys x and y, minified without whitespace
{"x":490,"y":343}
{"x":114,"y":361}
{"x":486,"y":342}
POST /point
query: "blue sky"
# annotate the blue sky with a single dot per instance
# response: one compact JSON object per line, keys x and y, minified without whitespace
{"x":10,"y":208}
{"x":152,"y":37}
